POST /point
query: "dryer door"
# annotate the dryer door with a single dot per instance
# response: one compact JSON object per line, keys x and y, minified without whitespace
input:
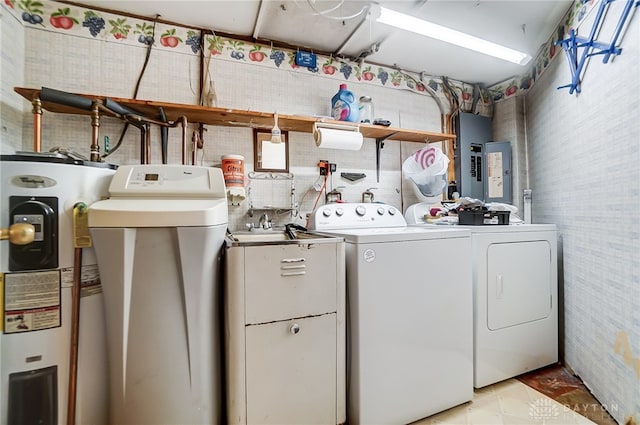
{"x":518,"y":283}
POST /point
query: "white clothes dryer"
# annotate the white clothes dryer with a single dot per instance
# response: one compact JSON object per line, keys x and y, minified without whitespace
{"x":409,"y":320}
{"x":515,"y":292}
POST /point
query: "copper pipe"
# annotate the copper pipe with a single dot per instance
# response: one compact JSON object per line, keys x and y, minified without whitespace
{"x":95,"y":126}
{"x":37,"y":123}
{"x":137,"y":119}
{"x":183,"y":120}
{"x":75,"y":327}
{"x":148,"y":145}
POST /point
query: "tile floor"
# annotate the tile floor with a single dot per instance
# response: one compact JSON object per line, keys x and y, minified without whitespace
{"x":510,"y":402}
{"x":559,"y":383}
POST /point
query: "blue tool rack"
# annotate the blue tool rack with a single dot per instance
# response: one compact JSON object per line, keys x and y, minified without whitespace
{"x":587,"y":47}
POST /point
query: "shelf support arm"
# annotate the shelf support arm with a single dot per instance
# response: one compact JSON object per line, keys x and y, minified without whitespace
{"x":379,"y":146}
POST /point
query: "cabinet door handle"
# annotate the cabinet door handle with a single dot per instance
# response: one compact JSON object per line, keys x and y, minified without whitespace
{"x":292,"y":260}
{"x":296,"y":273}
{"x":499,"y":287}
{"x":294,"y":329}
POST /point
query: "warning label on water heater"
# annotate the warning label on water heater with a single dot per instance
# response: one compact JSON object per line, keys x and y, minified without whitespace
{"x":31,"y":301}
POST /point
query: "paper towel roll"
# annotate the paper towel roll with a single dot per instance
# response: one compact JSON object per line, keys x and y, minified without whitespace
{"x":330,"y":138}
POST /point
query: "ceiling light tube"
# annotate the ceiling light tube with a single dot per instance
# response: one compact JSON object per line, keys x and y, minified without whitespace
{"x":428,"y":29}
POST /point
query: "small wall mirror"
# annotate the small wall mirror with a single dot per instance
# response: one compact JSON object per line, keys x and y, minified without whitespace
{"x":268,"y":156}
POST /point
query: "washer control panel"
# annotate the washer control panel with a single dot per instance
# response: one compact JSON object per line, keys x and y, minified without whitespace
{"x":355,"y":216}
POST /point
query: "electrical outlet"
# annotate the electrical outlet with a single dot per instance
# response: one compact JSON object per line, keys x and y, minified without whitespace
{"x":324,"y":167}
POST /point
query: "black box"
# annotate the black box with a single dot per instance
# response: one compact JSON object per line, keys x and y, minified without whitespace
{"x":482,"y":217}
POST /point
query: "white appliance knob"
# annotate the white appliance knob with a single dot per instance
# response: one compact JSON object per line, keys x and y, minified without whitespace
{"x":392,"y":211}
{"x":294,"y":329}
{"x":326,"y":212}
{"x":360,"y":210}
{"x":339,"y":212}
{"x":380,"y":211}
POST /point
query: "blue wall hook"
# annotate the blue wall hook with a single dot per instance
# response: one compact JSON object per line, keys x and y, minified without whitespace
{"x":590,"y":46}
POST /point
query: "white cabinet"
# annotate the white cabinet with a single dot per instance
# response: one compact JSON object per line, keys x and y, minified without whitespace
{"x":285,"y":333}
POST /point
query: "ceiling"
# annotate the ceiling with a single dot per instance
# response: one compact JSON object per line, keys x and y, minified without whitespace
{"x":348,"y":28}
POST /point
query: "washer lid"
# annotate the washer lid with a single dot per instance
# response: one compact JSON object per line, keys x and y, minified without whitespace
{"x":397,"y":234}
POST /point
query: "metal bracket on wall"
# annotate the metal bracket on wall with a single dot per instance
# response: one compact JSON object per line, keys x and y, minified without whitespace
{"x":379,"y":146}
{"x":590,"y":46}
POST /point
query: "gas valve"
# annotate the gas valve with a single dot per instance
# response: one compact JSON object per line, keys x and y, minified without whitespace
{"x":18,"y":233}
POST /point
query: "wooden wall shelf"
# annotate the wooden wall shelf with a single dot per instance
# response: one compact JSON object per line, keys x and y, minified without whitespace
{"x":237,"y":118}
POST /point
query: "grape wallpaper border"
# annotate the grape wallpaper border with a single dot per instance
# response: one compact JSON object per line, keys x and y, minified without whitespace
{"x":51,"y":15}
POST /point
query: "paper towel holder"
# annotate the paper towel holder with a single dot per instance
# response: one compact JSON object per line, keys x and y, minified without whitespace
{"x":345,"y":127}
{"x":337,"y":136}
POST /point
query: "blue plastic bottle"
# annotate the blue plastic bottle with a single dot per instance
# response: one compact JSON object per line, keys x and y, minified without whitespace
{"x":344,"y":105}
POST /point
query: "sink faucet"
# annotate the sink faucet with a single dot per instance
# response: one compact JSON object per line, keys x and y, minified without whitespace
{"x":264,"y":222}
{"x":367,"y":195}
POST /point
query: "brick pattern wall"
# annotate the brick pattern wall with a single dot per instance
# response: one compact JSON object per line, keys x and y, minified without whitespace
{"x":584,"y":153}
{"x":111,"y":69}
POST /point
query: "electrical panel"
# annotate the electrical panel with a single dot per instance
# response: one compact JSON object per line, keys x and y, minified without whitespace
{"x":473,"y":132}
{"x":482,"y":166}
{"x":497,"y":165}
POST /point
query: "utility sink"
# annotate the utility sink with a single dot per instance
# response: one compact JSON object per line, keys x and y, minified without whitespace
{"x":278,"y":237}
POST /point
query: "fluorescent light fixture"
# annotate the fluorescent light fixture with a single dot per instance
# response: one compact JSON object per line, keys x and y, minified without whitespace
{"x":428,"y":29}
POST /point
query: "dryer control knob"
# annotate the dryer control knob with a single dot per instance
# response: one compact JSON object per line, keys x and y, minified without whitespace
{"x":392,"y":211}
{"x":360,"y":210}
{"x":339,"y":212}
{"x":326,"y":212}
{"x":380,"y":211}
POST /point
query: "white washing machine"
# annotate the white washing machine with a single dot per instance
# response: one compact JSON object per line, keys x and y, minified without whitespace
{"x":409,"y":321}
{"x":158,"y":239}
{"x":515,"y":284}
{"x":37,"y":279}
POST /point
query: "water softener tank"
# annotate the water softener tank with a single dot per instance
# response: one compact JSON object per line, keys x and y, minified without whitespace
{"x":42,"y":189}
{"x":158,"y":239}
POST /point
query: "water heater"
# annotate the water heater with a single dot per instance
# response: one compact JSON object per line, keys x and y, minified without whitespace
{"x":37,"y":279}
